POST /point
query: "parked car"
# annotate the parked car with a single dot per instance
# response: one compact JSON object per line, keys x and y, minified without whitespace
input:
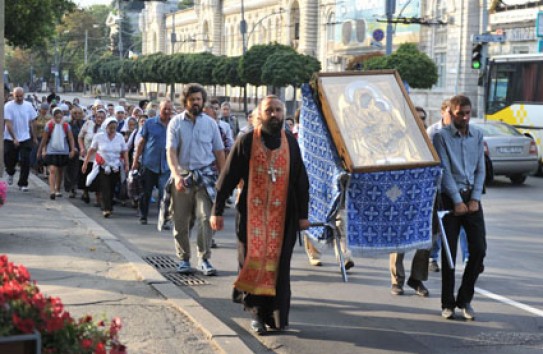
{"x":507,"y":151}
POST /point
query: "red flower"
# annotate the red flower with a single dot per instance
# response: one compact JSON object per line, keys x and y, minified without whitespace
{"x":100,"y":348}
{"x":86,"y":343}
{"x":23,"y":325}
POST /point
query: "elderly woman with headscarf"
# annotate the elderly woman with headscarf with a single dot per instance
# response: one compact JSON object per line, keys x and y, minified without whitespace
{"x":88,"y":131}
{"x":57,"y":147}
{"x":111,"y":159}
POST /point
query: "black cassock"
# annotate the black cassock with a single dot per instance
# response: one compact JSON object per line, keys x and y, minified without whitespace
{"x":273,"y":310}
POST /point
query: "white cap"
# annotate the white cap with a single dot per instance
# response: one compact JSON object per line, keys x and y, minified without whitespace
{"x":119,"y":109}
{"x":64,"y":107}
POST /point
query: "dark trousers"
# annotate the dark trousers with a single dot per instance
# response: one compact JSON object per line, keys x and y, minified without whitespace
{"x":474,"y":225}
{"x":71,"y":173}
{"x":150,"y":180}
{"x":20,"y":154}
{"x":107,"y":183}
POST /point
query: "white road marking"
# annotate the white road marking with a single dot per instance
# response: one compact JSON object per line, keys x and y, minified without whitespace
{"x":507,"y":301}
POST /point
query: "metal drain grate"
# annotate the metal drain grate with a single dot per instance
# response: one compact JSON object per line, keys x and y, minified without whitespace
{"x":184,"y":279}
{"x":167,"y":266}
{"x":161,"y":263}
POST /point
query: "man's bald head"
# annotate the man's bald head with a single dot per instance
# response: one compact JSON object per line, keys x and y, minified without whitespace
{"x":19,"y":95}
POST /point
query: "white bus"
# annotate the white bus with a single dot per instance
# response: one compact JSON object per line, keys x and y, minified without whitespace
{"x":515,"y":94}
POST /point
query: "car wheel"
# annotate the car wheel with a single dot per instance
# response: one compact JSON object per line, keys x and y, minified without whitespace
{"x":539,"y":171}
{"x":517,"y":179}
{"x":489,"y":171}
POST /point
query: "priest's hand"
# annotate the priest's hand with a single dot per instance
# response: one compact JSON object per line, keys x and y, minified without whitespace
{"x":460,"y":209}
{"x":304,"y":224}
{"x":217,"y":222}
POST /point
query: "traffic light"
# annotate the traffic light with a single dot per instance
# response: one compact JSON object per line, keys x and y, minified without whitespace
{"x":476,"y":56}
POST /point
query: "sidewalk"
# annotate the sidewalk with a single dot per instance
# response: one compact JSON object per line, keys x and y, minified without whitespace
{"x":72,"y":257}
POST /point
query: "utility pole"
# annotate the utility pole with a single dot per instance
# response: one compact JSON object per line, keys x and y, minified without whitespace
{"x":243,"y":30}
{"x":481,"y":91}
{"x":119,"y":2}
{"x":173,"y":39}
{"x":390,"y":9}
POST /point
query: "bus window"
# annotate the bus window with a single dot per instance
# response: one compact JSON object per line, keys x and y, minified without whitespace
{"x":499,"y":83}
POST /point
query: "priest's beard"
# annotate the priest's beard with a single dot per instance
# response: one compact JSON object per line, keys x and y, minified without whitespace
{"x":273,"y":126}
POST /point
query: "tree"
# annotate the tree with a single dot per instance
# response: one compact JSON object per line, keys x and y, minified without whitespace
{"x":414,"y":66}
{"x":226,"y":71}
{"x":252,"y":62}
{"x":282,"y":69}
{"x":30,"y":22}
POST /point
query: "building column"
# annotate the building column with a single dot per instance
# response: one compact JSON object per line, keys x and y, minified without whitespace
{"x":309,"y":11}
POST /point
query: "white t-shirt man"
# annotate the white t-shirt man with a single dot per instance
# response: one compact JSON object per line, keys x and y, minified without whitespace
{"x":20,"y":115}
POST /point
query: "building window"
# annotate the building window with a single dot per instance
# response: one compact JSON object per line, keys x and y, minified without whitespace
{"x":440,"y":60}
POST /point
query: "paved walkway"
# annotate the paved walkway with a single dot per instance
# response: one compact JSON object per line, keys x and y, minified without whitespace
{"x":74,"y":258}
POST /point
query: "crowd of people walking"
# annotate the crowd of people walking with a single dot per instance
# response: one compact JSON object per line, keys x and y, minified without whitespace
{"x":196,"y":157}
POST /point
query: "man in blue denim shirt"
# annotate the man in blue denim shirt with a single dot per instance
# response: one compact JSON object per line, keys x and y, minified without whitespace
{"x":460,"y":148}
{"x":155,"y":171}
{"x":195,"y":152}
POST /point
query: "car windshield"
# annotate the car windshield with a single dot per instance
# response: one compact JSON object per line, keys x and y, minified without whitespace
{"x":490,"y":129}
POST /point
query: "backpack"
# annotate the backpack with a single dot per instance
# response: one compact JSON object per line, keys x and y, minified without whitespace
{"x":51,"y":126}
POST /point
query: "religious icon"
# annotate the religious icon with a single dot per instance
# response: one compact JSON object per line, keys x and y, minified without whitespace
{"x":373,"y":122}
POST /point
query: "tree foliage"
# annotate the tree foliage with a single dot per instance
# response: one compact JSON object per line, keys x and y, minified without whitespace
{"x":28,"y":23}
{"x":226,"y":71}
{"x":252,"y":62}
{"x":283,"y":69}
{"x":414,"y":66}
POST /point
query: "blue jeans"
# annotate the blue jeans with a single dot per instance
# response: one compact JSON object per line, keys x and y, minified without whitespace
{"x":150,"y":180}
{"x":434,"y":252}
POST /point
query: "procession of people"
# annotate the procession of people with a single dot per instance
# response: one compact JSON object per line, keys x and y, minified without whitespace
{"x":197,"y":159}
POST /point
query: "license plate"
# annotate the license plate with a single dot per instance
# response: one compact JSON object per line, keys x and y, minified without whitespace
{"x":510,"y":149}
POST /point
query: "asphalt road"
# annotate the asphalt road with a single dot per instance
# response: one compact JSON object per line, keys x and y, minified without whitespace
{"x":329,"y":316}
{"x":361,"y":316}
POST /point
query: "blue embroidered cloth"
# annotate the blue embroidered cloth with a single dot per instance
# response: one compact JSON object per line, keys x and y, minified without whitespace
{"x":387,"y":211}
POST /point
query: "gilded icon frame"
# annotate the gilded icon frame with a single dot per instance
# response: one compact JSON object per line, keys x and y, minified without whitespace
{"x":373,"y":122}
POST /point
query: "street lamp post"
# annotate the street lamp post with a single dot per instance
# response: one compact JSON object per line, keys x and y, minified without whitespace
{"x":243,"y":30}
{"x":390,"y":9}
{"x":121,"y":88}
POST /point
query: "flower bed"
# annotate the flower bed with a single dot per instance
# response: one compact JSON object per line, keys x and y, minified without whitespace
{"x":24,"y":309}
{"x":3,"y":192}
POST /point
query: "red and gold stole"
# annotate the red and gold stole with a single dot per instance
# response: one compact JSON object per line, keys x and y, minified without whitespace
{"x":266,"y":208}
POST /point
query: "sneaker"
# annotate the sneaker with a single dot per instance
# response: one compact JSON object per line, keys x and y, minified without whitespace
{"x":143,"y":221}
{"x":447,"y":313}
{"x":419,"y":287}
{"x":52,"y":196}
{"x":433,"y":267}
{"x":315,"y":262}
{"x":258,"y":327}
{"x":206,"y":267}
{"x":24,"y":189}
{"x":468,"y":312}
{"x":58,"y":194}
{"x":396,"y":289}
{"x":10,"y":179}
{"x":106,"y":214}
{"x":184,"y":267}
{"x":349,"y":264}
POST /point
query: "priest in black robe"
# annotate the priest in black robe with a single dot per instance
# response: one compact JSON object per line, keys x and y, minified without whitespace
{"x":272,"y":208}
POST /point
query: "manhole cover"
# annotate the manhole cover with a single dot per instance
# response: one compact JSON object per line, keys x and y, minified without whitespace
{"x":167,"y":266}
{"x":184,"y":279}
{"x":161,"y":263}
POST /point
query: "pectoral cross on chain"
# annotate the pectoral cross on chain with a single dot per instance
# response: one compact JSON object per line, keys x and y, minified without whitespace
{"x":272,"y":171}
